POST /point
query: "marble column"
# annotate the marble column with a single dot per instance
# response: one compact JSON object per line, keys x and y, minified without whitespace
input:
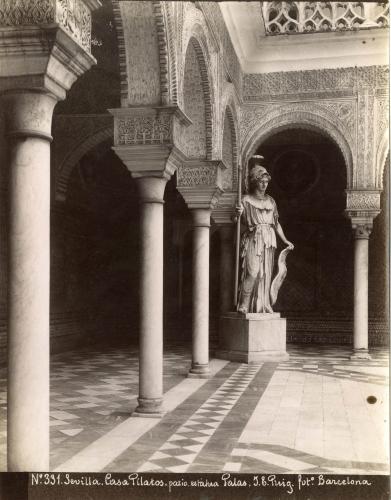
{"x":151,"y":191}
{"x":360,"y":324}
{"x":200,"y":339}
{"x":199,"y":182}
{"x":29,"y":117}
{"x":148,"y":150}
{"x":39,"y":65}
{"x":226,"y":268}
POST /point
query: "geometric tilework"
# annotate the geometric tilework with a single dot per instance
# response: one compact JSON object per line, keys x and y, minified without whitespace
{"x":92,"y":391}
{"x":313,"y":415}
{"x":182,"y":448}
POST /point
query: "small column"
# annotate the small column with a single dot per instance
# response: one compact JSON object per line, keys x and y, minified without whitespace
{"x":151,"y":190}
{"x":360,"y":328}
{"x":199,"y":182}
{"x":146,"y":148}
{"x":201,"y":225}
{"x":44,"y":62}
{"x":226,"y":267}
{"x":362,"y":206}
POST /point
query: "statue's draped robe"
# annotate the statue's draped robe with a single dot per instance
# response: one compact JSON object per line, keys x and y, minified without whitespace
{"x":258,"y":245}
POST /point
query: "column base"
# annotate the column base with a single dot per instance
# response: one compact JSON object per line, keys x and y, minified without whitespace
{"x":360,"y":354}
{"x":199,"y":371}
{"x":252,"y":338}
{"x":149,"y":408}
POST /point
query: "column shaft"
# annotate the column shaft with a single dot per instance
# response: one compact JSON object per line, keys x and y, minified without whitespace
{"x":201,"y":225}
{"x":151,"y":297}
{"x":360,"y":341}
{"x":28,"y":124}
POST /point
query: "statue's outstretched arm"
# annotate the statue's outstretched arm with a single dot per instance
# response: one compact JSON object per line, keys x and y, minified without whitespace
{"x":281,"y":234}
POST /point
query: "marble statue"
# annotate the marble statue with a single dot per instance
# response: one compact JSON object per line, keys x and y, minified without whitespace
{"x":258,"y":212}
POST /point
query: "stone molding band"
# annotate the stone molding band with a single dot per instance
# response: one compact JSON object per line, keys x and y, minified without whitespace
{"x":27,"y":133}
{"x":201,"y":224}
{"x":149,"y":405}
{"x":151,"y":200}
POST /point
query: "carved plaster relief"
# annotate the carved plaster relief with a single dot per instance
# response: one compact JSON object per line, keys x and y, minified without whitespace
{"x":363,"y":200}
{"x":265,"y":86}
{"x":144,"y":130}
{"x":199,"y":182}
{"x":259,"y":122}
{"x":194,"y":105}
{"x":161,"y":125}
{"x":73,"y":16}
{"x":142,"y":54}
{"x":202,"y":175}
{"x":227,"y":153}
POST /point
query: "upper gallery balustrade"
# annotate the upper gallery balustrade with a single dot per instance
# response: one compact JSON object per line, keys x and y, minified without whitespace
{"x":319,"y":17}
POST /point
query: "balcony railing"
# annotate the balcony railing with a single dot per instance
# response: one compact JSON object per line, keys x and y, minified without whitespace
{"x":318,"y":17}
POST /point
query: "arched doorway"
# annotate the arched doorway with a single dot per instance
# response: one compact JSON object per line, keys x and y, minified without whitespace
{"x":308,"y":183}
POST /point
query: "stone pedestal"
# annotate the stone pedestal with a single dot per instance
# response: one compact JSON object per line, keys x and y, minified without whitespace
{"x":252,"y":338}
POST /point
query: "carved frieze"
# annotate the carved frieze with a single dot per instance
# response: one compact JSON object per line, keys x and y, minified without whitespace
{"x":365,"y":137}
{"x":74,"y":16}
{"x":382,"y":117}
{"x":199,"y":182}
{"x":263,"y":86}
{"x":155,"y":129}
{"x":26,"y":12}
{"x":147,"y":126}
{"x":204,"y":174}
{"x":363,"y":200}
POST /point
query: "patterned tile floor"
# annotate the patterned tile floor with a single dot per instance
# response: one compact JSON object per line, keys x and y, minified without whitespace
{"x":313,"y":413}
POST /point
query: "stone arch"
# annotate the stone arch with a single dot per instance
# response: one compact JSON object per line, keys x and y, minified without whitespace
{"x":230,"y":117}
{"x":196,"y":44}
{"x":282,"y":118}
{"x":382,"y":156}
{"x":121,"y":51}
{"x":170,"y":41}
{"x":66,"y":167}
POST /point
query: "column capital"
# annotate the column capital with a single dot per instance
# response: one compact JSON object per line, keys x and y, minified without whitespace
{"x":201,"y":217}
{"x":362,"y":230}
{"x":199,"y":182}
{"x":28,"y":114}
{"x":224,"y":212}
{"x":45,"y":45}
